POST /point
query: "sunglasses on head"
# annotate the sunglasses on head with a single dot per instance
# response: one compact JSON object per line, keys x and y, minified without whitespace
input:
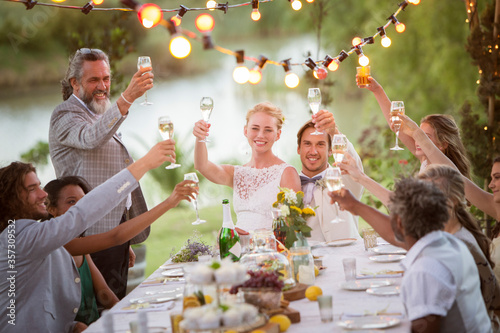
{"x":86,"y":50}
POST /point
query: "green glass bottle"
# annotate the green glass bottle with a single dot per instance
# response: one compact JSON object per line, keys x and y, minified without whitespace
{"x":229,"y":240}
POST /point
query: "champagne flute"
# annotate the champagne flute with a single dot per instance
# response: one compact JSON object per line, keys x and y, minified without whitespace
{"x":144,"y":61}
{"x":192,"y":176}
{"x":166,"y":128}
{"x":314,"y":99}
{"x":339,"y":146}
{"x":206,"y":106}
{"x":333,"y":177}
{"x":397,"y":109}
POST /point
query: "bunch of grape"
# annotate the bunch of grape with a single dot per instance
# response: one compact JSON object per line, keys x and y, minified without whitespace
{"x":261,"y":279}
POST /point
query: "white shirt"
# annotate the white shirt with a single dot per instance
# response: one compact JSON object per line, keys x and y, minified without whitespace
{"x":441,"y":279}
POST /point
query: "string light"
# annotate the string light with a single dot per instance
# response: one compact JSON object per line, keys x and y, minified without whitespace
{"x":384,"y":40}
{"x":400,"y":27}
{"x":291,"y":79}
{"x":256,"y":73}
{"x":205,"y":24}
{"x":241,"y":73}
{"x":363,"y":60}
{"x":296,"y":4}
{"x":180,"y":47}
{"x":150,"y":15}
{"x":97,"y":2}
{"x":177,"y":19}
{"x":310,"y":1}
{"x":255,"y":15}
{"x":211,"y":4}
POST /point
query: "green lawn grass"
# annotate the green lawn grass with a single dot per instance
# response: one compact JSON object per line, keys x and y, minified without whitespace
{"x":173,"y":229}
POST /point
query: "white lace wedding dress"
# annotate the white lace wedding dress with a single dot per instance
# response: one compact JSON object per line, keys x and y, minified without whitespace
{"x":254,"y":192}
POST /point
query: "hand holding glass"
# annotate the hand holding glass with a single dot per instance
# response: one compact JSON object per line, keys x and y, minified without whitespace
{"x":339,"y":146}
{"x":192,"y":176}
{"x":206,"y":106}
{"x":397,"y":109}
{"x":166,"y":128}
{"x":314,"y":99}
{"x":144,"y":61}
{"x":333,"y":179}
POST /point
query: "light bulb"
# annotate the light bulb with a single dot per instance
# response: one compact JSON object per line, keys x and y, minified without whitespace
{"x":415,"y":2}
{"x":334,"y":65}
{"x":255,"y":75}
{"x":356,"y":41}
{"x":150,"y":15}
{"x":296,"y":5}
{"x":241,"y":74}
{"x":310,"y":1}
{"x":58,"y":1}
{"x":204,"y":23}
{"x":180,"y":47}
{"x":385,"y":41}
{"x":97,"y":2}
{"x":291,"y":80}
{"x":177,"y":20}
{"x":255,"y":15}
{"x":400,"y":27}
{"x":211,"y":4}
{"x":363,"y":60}
{"x":320,"y":73}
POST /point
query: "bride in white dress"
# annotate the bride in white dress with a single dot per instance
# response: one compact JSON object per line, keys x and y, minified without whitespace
{"x":255,"y":184}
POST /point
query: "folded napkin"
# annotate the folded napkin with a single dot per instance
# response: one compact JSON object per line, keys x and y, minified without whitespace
{"x":132,"y":308}
{"x":161,"y":280}
{"x":380,"y":274}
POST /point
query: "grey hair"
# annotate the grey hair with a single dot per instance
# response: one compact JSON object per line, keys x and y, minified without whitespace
{"x":75,"y":68}
{"x":422,"y":207}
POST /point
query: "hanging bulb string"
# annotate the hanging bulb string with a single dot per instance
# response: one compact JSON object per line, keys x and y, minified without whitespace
{"x":343,"y":54}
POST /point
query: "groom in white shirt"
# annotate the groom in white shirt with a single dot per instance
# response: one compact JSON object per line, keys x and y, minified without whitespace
{"x":314,"y":151}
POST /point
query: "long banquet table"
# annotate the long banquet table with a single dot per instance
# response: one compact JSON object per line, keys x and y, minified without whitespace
{"x":345,"y":303}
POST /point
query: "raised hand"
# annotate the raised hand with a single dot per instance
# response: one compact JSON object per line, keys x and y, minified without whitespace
{"x":324,"y":121}
{"x":344,"y":199}
{"x":183,"y":191}
{"x":201,"y":128}
{"x":141,"y":82}
{"x":350,"y":167}
{"x":408,"y":126}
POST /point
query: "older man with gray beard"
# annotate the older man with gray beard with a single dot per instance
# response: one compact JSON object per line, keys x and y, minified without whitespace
{"x":83,"y":142}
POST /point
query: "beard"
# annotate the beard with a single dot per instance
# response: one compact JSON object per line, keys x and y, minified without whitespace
{"x":98,"y":107}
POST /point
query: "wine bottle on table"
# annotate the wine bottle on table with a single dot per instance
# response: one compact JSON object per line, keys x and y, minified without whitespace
{"x":229,"y":240}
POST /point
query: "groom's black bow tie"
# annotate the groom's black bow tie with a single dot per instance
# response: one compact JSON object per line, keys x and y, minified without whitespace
{"x":305,"y":180}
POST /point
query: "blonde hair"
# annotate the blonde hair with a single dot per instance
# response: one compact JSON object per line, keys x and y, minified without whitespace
{"x":267,"y":108}
{"x":448,"y":132}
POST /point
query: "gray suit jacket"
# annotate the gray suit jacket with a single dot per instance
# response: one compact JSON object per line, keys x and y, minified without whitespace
{"x":82,"y":144}
{"x":39,"y":284}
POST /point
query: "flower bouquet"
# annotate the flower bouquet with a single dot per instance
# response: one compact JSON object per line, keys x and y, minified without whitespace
{"x":191,"y":250}
{"x":291,"y":215}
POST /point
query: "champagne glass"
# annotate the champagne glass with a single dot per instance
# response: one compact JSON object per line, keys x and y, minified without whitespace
{"x":206,"y":106}
{"x":166,"y":128}
{"x":144,"y":61}
{"x":339,"y":146}
{"x":192,"y":176}
{"x":333,"y":177}
{"x":397,"y":109}
{"x":314,"y":99}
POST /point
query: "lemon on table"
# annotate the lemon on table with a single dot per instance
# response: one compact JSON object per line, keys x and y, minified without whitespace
{"x":316,"y":270}
{"x":208,"y":299}
{"x":258,"y":331}
{"x":313,"y":292}
{"x":281,"y":320}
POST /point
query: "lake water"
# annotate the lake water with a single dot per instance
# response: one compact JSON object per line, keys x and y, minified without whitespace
{"x":179,"y":99}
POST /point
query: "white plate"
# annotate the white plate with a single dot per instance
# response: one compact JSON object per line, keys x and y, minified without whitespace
{"x":358,"y":285}
{"x":388,"y":258}
{"x":357,"y":323}
{"x":384,"y":291}
{"x":176,"y":272}
{"x":388,"y":249}
{"x":341,"y":242}
{"x":154,"y":299}
{"x":172,"y":265}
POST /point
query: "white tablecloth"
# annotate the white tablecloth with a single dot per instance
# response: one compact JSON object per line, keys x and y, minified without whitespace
{"x":344,"y":302}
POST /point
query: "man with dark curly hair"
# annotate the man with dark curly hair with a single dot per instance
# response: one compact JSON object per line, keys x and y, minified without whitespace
{"x":440,"y":288}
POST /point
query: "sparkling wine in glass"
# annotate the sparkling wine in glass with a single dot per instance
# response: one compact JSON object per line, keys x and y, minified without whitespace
{"x":166,"y":128}
{"x":333,"y":180}
{"x":397,"y":109}
{"x":144,"y":61}
{"x":314,"y":99}
{"x":339,"y":147}
{"x":192,"y":176}
{"x":206,"y":106}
